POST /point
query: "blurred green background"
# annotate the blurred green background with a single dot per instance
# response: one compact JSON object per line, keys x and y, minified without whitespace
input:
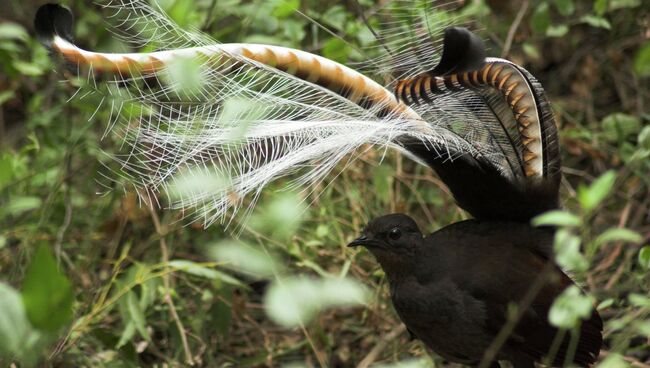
{"x":90,"y":277}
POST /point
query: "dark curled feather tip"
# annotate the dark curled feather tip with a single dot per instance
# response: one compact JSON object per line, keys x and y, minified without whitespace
{"x":462,"y":51}
{"x":52,"y":20}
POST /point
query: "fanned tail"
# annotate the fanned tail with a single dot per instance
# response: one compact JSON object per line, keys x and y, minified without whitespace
{"x":517,"y":120}
{"x":254,"y":113}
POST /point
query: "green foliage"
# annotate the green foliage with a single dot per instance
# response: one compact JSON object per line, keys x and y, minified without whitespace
{"x":47,"y":293}
{"x":293,"y":302}
{"x":569,"y":308}
{"x":14,"y":325}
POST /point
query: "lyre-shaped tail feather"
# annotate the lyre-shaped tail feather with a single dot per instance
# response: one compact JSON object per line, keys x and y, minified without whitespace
{"x":259,"y":112}
{"x":301,"y":114}
{"x":517,"y":118}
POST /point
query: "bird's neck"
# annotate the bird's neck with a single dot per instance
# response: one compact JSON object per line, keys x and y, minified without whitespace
{"x":398,"y":269}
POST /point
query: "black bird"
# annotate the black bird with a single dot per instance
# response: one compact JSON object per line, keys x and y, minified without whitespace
{"x":452,"y":289}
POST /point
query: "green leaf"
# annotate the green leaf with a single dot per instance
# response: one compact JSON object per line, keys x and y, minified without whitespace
{"x":281,"y":217}
{"x":136,"y":314}
{"x":335,"y":16}
{"x":622,"y":4}
{"x":613,"y":360}
{"x":619,"y":126}
{"x":13,"y":31}
{"x":643,"y":327}
{"x":195,"y":269}
{"x":567,"y":251}
{"x":605,"y":304}
{"x":245,"y":258}
{"x":286,"y":8}
{"x":590,"y":197}
{"x":565,"y":7}
{"x":618,"y":234}
{"x":14,"y":325}
{"x":541,"y":18}
{"x":410,"y":363}
{"x":596,"y":21}
{"x":185,"y":76}
{"x":600,"y":6}
{"x":47,"y":293}
{"x":557,"y":30}
{"x":336,"y":49}
{"x":642,"y":60}
{"x":644,"y":138}
{"x":556,"y":218}
{"x":6,"y":96}
{"x":644,"y":257}
{"x":639,"y":300}
{"x":127,"y":334}
{"x":530,"y":50}
{"x":20,"y":204}
{"x":28,"y":69}
{"x":190,"y":185}
{"x":291,"y":302}
{"x":570,"y":307}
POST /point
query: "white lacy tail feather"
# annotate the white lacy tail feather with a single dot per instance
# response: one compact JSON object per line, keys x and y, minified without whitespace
{"x":242,"y":124}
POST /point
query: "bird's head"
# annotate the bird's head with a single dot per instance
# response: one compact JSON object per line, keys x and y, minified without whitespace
{"x":392,"y":239}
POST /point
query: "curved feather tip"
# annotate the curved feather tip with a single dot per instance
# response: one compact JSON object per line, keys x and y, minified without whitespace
{"x":53,"y":20}
{"x":463,"y":51}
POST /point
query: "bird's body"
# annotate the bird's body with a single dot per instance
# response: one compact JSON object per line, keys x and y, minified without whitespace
{"x":453,"y":289}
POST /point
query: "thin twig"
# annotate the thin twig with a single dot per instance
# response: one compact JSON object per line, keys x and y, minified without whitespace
{"x":381,"y":346}
{"x":167,"y":297}
{"x":513,"y":28}
{"x":512,"y":320}
{"x":208,"y":17}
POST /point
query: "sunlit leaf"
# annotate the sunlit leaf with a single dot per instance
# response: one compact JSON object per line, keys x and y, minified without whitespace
{"x":196,"y":182}
{"x":195,"y":269}
{"x":639,"y":300}
{"x":567,"y":251}
{"x":557,"y":30}
{"x":281,"y":216}
{"x":13,"y":31}
{"x":644,"y":257}
{"x":185,"y":76}
{"x":245,"y":258}
{"x":20,"y":204}
{"x":613,"y":360}
{"x":14,"y":325}
{"x":590,"y":197}
{"x":569,"y":308}
{"x":618,"y":234}
{"x":294,"y":301}
{"x":411,"y":363}
{"x":556,"y":218}
{"x":596,"y":21}
{"x":285,"y":8}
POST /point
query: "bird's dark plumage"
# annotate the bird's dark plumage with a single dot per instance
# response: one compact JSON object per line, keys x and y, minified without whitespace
{"x":53,"y":20}
{"x":452,"y":289}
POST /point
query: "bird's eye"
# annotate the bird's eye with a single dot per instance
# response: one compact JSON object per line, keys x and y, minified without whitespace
{"x":395,"y":233}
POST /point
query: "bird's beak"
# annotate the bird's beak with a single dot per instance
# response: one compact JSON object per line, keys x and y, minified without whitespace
{"x":360,"y":241}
